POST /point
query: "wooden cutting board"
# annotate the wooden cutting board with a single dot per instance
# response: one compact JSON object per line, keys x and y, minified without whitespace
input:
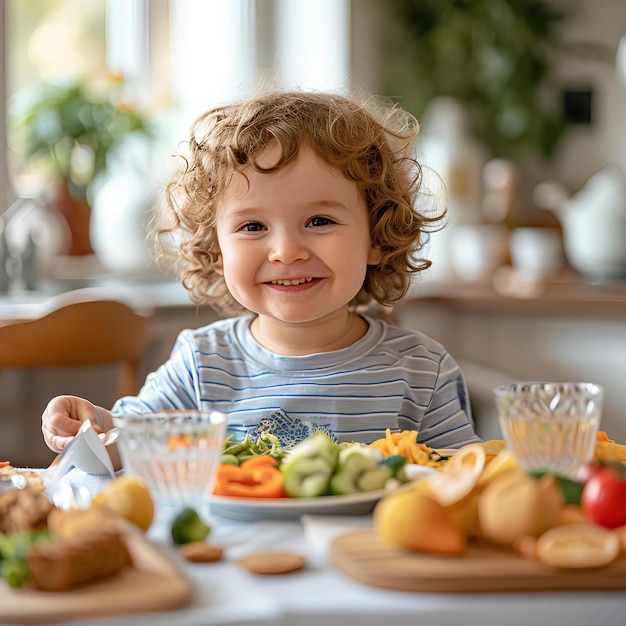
{"x":153,"y":584}
{"x":364,"y":557}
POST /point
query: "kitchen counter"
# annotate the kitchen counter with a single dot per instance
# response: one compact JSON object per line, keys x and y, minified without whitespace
{"x":510,"y":291}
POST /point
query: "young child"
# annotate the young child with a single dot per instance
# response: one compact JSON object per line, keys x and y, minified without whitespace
{"x":295,"y":206}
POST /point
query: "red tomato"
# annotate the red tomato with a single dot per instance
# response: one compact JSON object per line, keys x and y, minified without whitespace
{"x":587,"y":471}
{"x":604,"y":499}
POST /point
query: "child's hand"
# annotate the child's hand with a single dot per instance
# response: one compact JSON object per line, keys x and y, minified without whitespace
{"x":62,"y":419}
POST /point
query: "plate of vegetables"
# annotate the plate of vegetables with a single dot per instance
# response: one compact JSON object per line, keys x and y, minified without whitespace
{"x":316,"y":476}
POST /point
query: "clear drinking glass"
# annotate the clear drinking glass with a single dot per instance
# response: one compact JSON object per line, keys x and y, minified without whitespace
{"x":175,"y":452}
{"x":550,"y":425}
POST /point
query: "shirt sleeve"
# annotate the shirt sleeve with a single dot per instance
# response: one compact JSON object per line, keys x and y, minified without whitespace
{"x":174,"y":385}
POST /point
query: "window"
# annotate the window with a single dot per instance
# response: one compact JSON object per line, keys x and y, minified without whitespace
{"x":178,"y":57}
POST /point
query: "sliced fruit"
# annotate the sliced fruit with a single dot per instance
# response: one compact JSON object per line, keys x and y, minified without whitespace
{"x":459,"y":476}
{"x":411,"y":519}
{"x":577,"y":546}
{"x":503,"y":463}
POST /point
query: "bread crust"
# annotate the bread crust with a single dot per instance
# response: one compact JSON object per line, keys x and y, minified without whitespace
{"x":60,"y":564}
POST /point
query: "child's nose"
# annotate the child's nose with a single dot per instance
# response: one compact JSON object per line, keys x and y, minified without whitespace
{"x":287,"y":248}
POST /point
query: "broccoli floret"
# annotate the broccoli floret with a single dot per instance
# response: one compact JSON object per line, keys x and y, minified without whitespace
{"x":188,"y":526}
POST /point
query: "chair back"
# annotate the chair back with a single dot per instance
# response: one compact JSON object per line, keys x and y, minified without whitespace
{"x":80,"y":334}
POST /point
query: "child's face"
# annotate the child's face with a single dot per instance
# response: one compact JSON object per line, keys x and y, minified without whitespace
{"x":295,"y":244}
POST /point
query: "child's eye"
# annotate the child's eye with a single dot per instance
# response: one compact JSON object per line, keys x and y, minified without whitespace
{"x":320,"y":221}
{"x":252,"y":227}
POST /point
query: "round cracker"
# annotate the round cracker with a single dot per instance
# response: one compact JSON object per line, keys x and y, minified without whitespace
{"x":201,"y":552}
{"x":272,"y":563}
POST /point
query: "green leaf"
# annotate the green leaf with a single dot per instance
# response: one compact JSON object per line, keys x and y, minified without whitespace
{"x":571,"y":490}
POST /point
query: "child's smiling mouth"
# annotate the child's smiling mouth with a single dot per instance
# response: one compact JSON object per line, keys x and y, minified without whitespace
{"x":293,"y":284}
{"x":291,"y":281}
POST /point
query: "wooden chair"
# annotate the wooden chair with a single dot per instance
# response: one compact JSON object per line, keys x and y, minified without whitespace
{"x":99,"y":328}
{"x":76,"y":331}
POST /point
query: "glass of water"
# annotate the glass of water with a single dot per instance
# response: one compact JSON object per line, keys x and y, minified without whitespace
{"x":550,"y":425}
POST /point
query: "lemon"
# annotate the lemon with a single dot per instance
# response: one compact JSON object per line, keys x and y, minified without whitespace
{"x":128,"y":497}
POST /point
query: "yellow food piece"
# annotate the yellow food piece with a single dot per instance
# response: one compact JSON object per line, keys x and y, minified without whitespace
{"x":459,"y":476}
{"x":571,"y":514}
{"x":493,"y":447}
{"x":128,"y":497}
{"x":576,"y":546}
{"x":411,"y":519}
{"x":502,"y":463}
{"x":514,"y":505}
{"x":405,"y":444}
{"x":610,"y":451}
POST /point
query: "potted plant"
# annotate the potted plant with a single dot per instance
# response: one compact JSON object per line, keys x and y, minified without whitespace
{"x":497,"y":57}
{"x":64,"y":133}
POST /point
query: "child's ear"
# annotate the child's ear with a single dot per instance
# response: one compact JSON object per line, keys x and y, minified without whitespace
{"x":218,"y":266}
{"x":374,"y":256}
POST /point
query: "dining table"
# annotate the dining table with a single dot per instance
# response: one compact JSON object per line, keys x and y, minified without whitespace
{"x":224,"y":593}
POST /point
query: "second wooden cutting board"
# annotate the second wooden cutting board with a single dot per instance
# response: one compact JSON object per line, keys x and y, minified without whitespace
{"x":153,"y":584}
{"x":364,"y":557}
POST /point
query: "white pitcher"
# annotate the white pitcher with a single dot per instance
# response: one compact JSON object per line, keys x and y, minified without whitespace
{"x":593,"y":221}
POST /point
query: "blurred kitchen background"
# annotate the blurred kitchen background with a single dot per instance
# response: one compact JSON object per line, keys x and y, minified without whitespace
{"x":522,"y":105}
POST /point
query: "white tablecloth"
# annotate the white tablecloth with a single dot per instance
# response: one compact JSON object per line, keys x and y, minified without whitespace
{"x":321,"y":595}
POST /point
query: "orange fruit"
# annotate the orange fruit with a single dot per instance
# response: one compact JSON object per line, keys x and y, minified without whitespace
{"x":411,"y":519}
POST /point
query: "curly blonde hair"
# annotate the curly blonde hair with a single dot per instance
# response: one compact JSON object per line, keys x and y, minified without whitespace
{"x":371,"y":143}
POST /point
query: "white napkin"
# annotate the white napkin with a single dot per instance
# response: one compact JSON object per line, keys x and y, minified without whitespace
{"x":86,"y":452}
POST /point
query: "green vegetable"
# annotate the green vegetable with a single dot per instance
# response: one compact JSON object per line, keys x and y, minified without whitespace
{"x":236,"y":452}
{"x":188,"y":526}
{"x":318,"y":445}
{"x":15,"y":572}
{"x":571,"y":490}
{"x":358,"y":473}
{"x":229,"y":459}
{"x":309,"y":465}
{"x":397,"y":464}
{"x":13,"y":550}
{"x":307,"y":478}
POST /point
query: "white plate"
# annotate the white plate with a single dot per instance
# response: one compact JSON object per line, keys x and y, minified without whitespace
{"x":250,"y":509}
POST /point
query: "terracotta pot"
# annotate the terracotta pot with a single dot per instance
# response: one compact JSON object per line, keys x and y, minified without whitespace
{"x":77,"y":214}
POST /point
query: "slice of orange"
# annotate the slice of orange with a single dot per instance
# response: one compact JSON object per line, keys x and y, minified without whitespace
{"x":459,"y":475}
{"x":577,"y":546}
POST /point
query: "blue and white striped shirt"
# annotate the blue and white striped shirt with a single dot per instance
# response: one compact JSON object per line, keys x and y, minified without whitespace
{"x":391,"y":378}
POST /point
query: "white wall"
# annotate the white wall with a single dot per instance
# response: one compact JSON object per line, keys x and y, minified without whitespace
{"x":585,"y":149}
